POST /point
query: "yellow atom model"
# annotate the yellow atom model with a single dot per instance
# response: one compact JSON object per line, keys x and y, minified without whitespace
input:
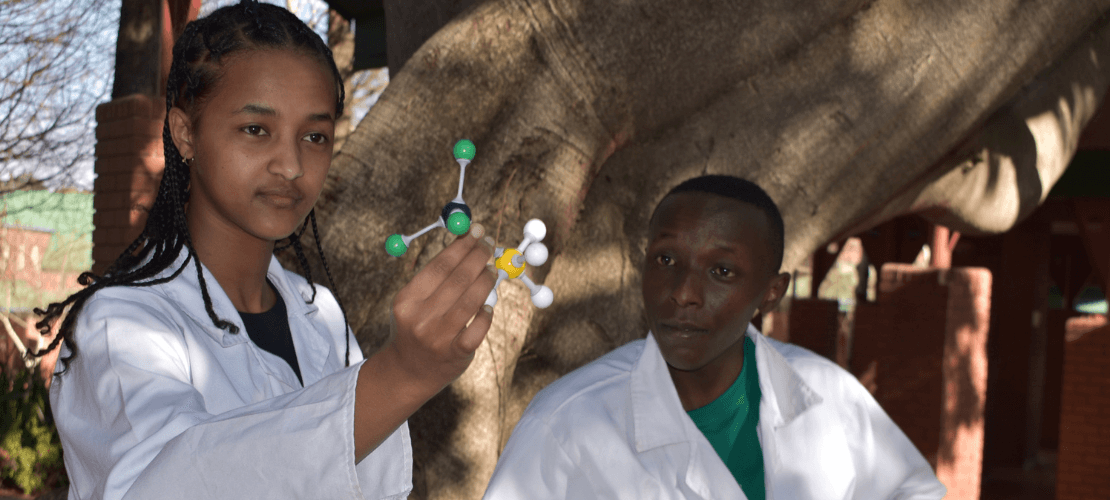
{"x":510,"y":263}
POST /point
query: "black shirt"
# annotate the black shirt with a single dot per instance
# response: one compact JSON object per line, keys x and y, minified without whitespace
{"x":270,"y":331}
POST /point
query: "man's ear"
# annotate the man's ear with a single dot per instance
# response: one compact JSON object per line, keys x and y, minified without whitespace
{"x":181,"y":130}
{"x":779,"y":284}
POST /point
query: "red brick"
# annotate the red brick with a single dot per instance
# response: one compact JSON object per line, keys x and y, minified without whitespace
{"x":924,"y":342}
{"x":109,"y":200}
{"x":129,"y":164}
{"x":1083,"y":464}
{"x":132,"y":105}
{"x":111,"y":218}
{"x":814,"y":324}
{"x":138,"y":179}
{"x":130,"y":147}
{"x":131,"y":126}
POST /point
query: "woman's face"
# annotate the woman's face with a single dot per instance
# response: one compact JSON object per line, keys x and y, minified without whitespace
{"x":261,"y":145}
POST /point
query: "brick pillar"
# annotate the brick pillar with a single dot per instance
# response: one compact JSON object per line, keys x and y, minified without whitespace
{"x":129,"y":163}
{"x":814,"y":324}
{"x":960,"y":456}
{"x":1083,"y":463}
{"x":921,"y":348}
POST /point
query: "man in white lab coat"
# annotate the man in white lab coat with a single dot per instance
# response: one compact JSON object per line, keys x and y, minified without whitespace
{"x":706,"y":407}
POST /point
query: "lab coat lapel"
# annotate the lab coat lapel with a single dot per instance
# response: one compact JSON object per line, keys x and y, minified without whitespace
{"x":656,"y":410}
{"x":185,"y":290}
{"x":312,"y":353}
{"x":785,"y":393}
{"x":660,"y":421}
{"x":250,"y":385}
{"x":800,"y":457}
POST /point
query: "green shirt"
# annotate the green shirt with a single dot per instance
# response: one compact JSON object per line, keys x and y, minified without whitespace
{"x":729,"y":422}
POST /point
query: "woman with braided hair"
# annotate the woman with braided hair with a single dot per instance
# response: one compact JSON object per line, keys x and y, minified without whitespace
{"x":197,"y":367}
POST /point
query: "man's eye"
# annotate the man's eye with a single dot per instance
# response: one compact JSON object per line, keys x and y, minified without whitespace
{"x":665,"y":260}
{"x":254,"y":130}
{"x":724,"y":272}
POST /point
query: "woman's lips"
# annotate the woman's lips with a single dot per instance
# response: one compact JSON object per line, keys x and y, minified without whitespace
{"x":281,"y":197}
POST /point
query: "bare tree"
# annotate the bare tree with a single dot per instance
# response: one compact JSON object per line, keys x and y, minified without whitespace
{"x":53,"y":56}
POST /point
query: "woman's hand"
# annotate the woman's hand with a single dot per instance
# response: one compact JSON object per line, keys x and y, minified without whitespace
{"x":431,"y":338}
{"x":432,"y":344}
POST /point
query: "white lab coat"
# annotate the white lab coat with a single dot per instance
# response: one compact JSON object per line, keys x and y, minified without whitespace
{"x":615,"y":429}
{"x":159,"y":403}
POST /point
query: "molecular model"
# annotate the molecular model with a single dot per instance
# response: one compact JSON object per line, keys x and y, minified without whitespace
{"x":455,"y":215}
{"x":510,"y":263}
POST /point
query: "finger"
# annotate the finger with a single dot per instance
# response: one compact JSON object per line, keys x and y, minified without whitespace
{"x":470,"y":300}
{"x":461,"y":278}
{"x":470,"y":338}
{"x":429,"y":279}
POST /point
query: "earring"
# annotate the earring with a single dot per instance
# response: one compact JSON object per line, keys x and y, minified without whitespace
{"x":189,"y":161}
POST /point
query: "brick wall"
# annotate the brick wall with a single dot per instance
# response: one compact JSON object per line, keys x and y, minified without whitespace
{"x":921,"y":349}
{"x":21,"y":252}
{"x":21,"y":256}
{"x":1083,"y":463}
{"x":129,"y":163}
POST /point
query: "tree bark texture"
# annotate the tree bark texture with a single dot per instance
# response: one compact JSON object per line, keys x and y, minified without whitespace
{"x":585,"y":112}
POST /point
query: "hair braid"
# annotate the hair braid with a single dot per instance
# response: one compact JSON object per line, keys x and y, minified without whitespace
{"x":331,"y":282}
{"x":295,"y":236}
{"x":195,"y":70}
{"x":299,"y":251}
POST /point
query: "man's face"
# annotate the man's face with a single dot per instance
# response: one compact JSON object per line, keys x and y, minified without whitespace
{"x":707,"y":269}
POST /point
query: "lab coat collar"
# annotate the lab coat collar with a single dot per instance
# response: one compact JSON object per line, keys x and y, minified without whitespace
{"x":657,"y":411}
{"x":185,"y":291}
{"x":785,"y":391}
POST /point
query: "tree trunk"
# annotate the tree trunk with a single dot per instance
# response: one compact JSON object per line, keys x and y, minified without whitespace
{"x":586,"y":112}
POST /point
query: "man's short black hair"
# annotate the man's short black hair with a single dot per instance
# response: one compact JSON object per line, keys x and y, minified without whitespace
{"x":740,"y":190}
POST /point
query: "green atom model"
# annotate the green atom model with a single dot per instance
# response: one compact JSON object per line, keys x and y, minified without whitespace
{"x":455,"y":215}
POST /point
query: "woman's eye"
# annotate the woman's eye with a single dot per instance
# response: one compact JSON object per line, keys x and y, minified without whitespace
{"x":665,"y":260}
{"x":724,"y":272}
{"x":254,"y":130}
{"x":316,"y":138}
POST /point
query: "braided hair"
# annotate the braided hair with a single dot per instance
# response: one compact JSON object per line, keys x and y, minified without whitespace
{"x":195,"y":71}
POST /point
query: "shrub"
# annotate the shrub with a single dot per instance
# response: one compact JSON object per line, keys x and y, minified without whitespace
{"x":30,"y":451}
